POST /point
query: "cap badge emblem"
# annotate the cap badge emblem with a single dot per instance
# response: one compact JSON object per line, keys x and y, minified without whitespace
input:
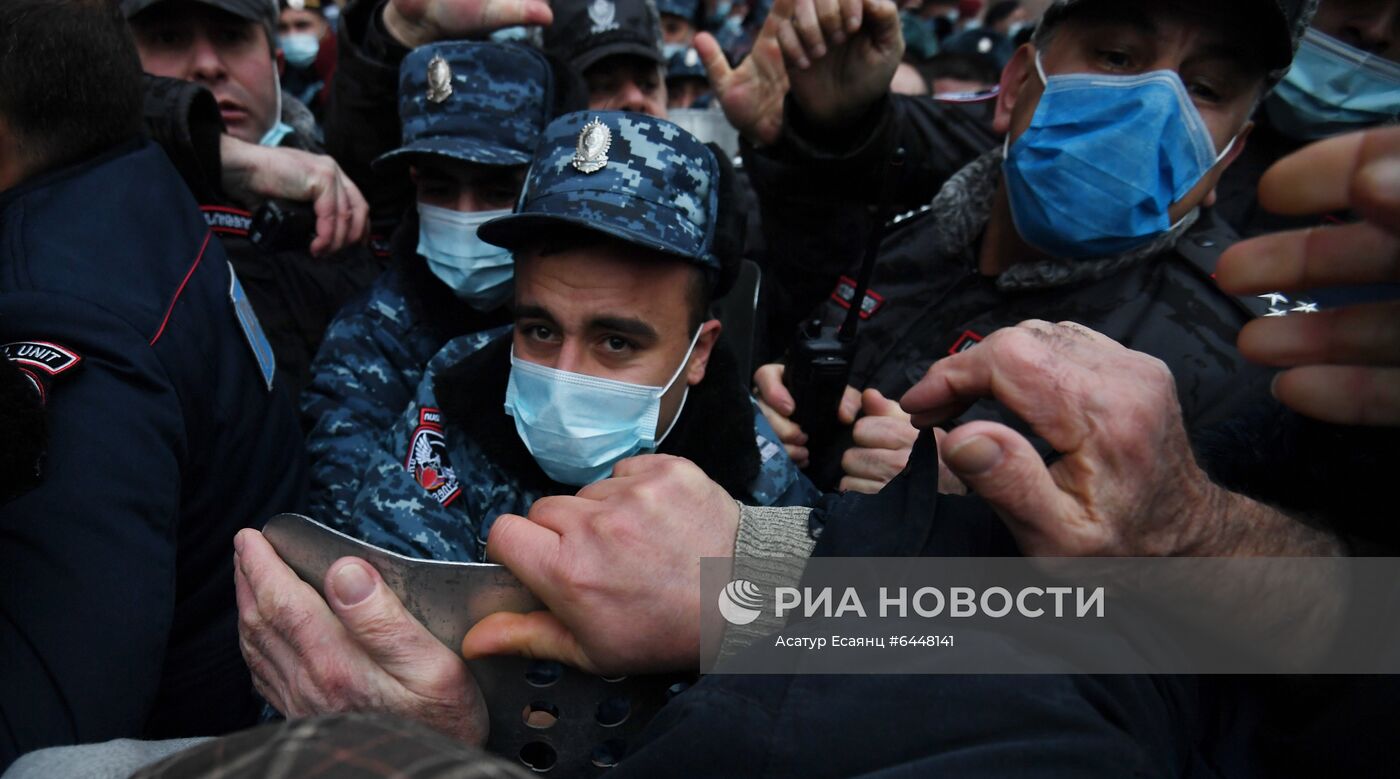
{"x":439,"y":79}
{"x":594,"y":141}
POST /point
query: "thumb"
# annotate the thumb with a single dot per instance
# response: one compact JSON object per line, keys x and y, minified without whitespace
{"x":373,"y":615}
{"x":1002,"y":467}
{"x":538,"y":635}
{"x":873,"y":404}
{"x":716,"y":66}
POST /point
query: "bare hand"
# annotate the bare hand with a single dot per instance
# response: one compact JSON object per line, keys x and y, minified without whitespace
{"x":362,"y":652}
{"x":842,"y":55}
{"x":414,"y":23}
{"x":752,"y":94}
{"x":1345,"y":363}
{"x":618,"y":565}
{"x":253,"y":174}
{"x":884,"y":437}
{"x":1127,"y":483}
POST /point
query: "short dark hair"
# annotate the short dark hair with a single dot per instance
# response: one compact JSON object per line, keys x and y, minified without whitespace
{"x":71,"y":85}
{"x":963,"y":66}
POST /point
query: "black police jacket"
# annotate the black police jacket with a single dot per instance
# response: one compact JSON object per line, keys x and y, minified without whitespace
{"x":166,"y":436}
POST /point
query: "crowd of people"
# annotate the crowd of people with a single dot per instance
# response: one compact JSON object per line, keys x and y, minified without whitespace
{"x":547,"y":283}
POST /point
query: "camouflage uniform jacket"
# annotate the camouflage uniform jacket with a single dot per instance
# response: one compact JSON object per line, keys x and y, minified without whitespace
{"x":453,"y":461}
{"x":370,"y":364}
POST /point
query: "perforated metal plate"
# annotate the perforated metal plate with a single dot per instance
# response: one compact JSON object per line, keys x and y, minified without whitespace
{"x":554,"y":719}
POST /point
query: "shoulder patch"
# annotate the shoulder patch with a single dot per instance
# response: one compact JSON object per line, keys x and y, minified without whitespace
{"x":252,"y":329}
{"x":41,"y":355}
{"x":40,"y":362}
{"x":426,"y":461}
{"x":228,"y":221}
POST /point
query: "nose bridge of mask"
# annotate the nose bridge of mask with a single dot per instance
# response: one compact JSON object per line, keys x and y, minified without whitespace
{"x":1339,"y":74}
{"x":453,"y":233}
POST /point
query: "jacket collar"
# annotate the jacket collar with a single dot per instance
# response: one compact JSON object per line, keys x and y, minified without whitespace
{"x":963,"y":208}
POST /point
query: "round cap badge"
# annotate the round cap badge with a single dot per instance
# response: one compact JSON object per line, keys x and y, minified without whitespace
{"x":591,"y":154}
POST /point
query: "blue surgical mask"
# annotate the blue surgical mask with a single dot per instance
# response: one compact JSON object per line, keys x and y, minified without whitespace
{"x":578,"y":427}
{"x":300,"y":48}
{"x":477,"y":272}
{"x":1334,"y":88}
{"x":1103,"y":160}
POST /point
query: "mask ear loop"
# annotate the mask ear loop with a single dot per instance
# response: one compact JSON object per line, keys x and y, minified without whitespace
{"x":684,"y":395}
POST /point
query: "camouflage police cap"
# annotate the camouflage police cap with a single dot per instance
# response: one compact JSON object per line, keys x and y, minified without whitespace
{"x":483,"y":103}
{"x":630,"y":176}
{"x":686,"y":9}
{"x":685,"y":63}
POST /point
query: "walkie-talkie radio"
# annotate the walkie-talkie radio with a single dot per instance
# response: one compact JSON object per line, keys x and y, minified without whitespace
{"x":282,"y":225}
{"x":819,"y":363}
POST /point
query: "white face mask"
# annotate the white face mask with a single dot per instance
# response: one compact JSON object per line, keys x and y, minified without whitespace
{"x":578,"y":427}
{"x":481,"y":274}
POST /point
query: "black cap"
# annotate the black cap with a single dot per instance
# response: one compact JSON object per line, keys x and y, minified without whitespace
{"x":586,"y":31}
{"x":1281,"y":25}
{"x":264,"y":11}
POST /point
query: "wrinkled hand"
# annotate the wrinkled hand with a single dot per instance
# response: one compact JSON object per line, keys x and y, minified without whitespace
{"x":362,"y":652}
{"x":414,"y":23}
{"x":752,"y":94}
{"x":777,"y":405}
{"x":618,"y":565}
{"x":253,"y":174}
{"x":1345,"y":363}
{"x":1127,"y":483}
{"x":842,"y":55}
{"x":884,"y":437}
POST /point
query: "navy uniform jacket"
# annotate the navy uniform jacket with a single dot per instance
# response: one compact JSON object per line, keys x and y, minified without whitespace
{"x":117,"y":614}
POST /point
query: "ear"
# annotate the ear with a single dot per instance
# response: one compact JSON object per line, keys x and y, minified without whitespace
{"x":700,"y":357}
{"x":1013,"y":80}
{"x":1235,"y":152}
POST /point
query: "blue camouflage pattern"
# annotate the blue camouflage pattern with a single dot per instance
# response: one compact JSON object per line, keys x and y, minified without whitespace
{"x":368,"y":367}
{"x":501,"y":100}
{"x":659,"y":188}
{"x":395,"y":511}
{"x":685,"y":9}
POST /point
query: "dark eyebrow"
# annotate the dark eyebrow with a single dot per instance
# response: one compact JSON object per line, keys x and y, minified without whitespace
{"x":625,"y":326}
{"x":531,"y":311}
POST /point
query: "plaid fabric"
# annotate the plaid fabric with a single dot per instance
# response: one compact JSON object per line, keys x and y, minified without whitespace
{"x":344,"y":746}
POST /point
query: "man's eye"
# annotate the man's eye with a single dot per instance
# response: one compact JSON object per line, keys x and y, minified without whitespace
{"x":538,"y":333}
{"x":615,"y":343}
{"x":1115,"y":59}
{"x":1203,"y":91}
{"x":503,"y":196}
{"x":231,"y":35}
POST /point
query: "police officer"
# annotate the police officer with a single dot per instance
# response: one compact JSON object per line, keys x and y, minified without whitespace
{"x":166,"y":434}
{"x":229,"y":47}
{"x":616,"y":45}
{"x":472,"y":114}
{"x":620,"y":241}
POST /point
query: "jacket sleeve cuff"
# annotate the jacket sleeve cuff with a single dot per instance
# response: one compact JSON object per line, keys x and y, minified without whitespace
{"x":771,"y":550}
